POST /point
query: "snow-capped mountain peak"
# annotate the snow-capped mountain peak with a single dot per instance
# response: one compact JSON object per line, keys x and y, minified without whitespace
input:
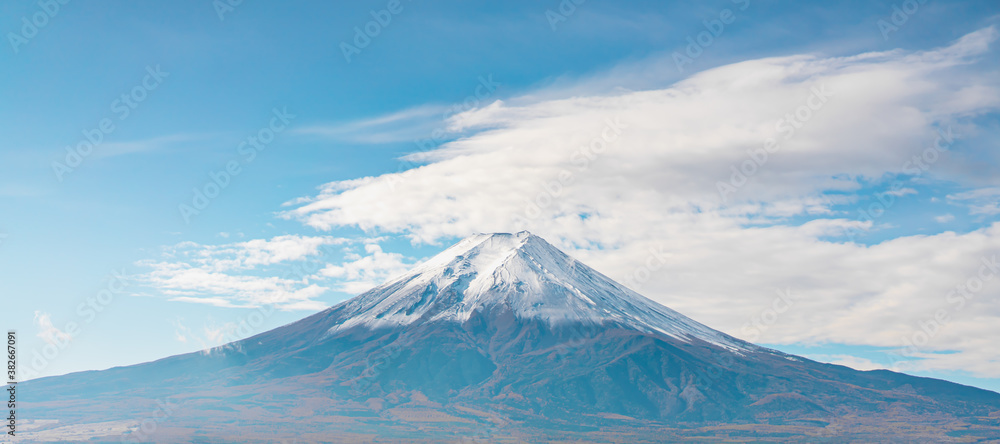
{"x":523,"y":274}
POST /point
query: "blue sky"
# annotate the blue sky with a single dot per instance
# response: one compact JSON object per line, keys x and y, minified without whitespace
{"x":542,"y":83}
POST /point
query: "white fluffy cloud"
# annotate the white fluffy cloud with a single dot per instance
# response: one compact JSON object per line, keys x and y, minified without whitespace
{"x":48,"y":332}
{"x":222,"y":275}
{"x":290,"y":272}
{"x":361,"y":273}
{"x":186,"y":283}
{"x":849,"y":361}
{"x":630,"y":183}
{"x":553,"y":161}
{"x":255,"y":252}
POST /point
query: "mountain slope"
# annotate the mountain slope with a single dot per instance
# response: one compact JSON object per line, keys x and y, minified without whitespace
{"x":524,"y":275}
{"x":506,"y":335}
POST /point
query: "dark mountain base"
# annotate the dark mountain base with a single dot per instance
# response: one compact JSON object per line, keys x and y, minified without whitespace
{"x":525,"y":383}
{"x":280,"y":413}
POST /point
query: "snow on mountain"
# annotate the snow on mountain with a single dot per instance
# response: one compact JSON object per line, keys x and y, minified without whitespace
{"x":504,"y":332}
{"x":529,"y":277}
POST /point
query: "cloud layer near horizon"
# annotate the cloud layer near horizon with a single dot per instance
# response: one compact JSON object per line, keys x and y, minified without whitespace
{"x":643,"y":185}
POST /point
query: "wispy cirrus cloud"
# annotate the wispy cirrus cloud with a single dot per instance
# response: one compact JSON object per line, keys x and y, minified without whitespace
{"x":944,"y":218}
{"x":120,"y":148}
{"x":402,"y":126}
{"x":982,"y":201}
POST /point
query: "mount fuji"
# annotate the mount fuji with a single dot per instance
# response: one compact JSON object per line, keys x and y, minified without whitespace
{"x":500,"y":338}
{"x":490,"y":276}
